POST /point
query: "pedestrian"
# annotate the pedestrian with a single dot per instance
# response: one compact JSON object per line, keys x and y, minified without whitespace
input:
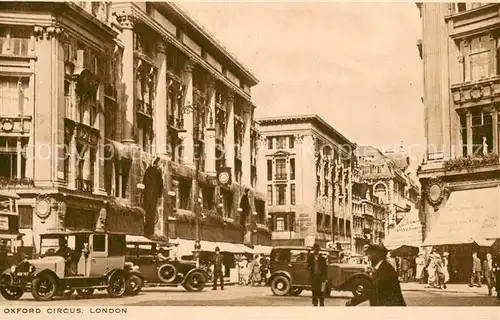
{"x":432,"y":276}
{"x":475,"y":277}
{"x":496,"y":267}
{"x":218,"y":274}
{"x":405,"y":269}
{"x":420,"y":262}
{"x":386,"y":289}
{"x":392,"y":261}
{"x":445,"y":269}
{"x":244,"y":270}
{"x":488,"y":273}
{"x":263,"y":269}
{"x":317,"y":270}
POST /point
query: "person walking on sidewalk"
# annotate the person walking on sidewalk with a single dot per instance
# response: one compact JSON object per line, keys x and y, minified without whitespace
{"x":488,"y":273}
{"x":386,"y":289}
{"x":445,"y":271}
{"x":263,"y":269}
{"x":317,"y":271}
{"x":218,"y":274}
{"x":496,"y":267}
{"x":476,"y":271}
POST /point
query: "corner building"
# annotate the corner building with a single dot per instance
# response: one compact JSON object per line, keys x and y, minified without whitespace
{"x":460,"y":174}
{"x":308,"y":167}
{"x":92,"y":92}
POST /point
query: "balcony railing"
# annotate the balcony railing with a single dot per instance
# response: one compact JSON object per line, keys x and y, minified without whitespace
{"x":176,"y":123}
{"x":144,"y":108}
{"x":84,"y":185}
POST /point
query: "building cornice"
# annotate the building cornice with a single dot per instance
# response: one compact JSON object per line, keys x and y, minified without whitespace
{"x":312,"y":119}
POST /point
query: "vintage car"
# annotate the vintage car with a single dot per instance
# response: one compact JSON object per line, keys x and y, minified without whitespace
{"x":290,"y":273}
{"x":10,"y":238}
{"x":84,"y":262}
{"x":160,"y":270}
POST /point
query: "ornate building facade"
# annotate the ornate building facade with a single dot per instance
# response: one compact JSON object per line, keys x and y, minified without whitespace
{"x":92,"y":92}
{"x":386,"y":192}
{"x":309,"y":168}
{"x":461,"y":169}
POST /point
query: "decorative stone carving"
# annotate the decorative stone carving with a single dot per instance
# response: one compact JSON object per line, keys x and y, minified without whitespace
{"x":126,"y":20}
{"x":101,"y":221}
{"x":476,"y":92}
{"x":48,"y":32}
{"x":230,"y":97}
{"x":435,"y":191}
{"x":298,"y":138}
{"x":188,"y":66}
{"x":161,"y":47}
{"x":43,"y":206}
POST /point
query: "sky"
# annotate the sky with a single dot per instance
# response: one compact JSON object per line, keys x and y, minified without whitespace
{"x":354,"y":64}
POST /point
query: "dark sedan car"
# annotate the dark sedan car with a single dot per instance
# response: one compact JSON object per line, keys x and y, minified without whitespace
{"x":160,"y":270}
{"x":290,"y":273}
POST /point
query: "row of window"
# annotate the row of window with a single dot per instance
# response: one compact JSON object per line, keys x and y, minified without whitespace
{"x":280,"y":196}
{"x":280,"y":172}
{"x":281,"y":142}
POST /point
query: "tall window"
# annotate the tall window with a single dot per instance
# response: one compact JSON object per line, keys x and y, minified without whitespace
{"x":292,"y":194}
{"x":482,"y":131}
{"x":280,"y":224}
{"x":292,"y":169}
{"x":281,"y":194}
{"x":270,"y":142}
{"x":270,"y":194}
{"x":280,"y":142}
{"x":280,"y":169}
{"x":10,"y":158}
{"x":13,"y":96}
{"x":480,"y":57}
{"x":463,"y":134}
{"x":291,"y":142}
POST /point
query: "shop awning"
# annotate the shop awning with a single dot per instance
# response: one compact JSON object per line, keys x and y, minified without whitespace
{"x":461,"y":220}
{"x":408,"y":232}
{"x":491,"y":227}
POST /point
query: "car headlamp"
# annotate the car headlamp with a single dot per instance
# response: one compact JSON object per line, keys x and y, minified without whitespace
{"x":13,"y":269}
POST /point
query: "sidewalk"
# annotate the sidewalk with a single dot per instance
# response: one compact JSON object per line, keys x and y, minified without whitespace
{"x":453,"y":288}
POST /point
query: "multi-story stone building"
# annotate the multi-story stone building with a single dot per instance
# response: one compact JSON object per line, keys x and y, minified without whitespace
{"x":386,"y":181}
{"x":460,"y":173}
{"x":119,"y":84}
{"x":309,"y":168}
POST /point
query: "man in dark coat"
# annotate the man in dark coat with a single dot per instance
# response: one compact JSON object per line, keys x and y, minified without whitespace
{"x":263,"y":269}
{"x":153,"y":190}
{"x":317,"y":271}
{"x":218,"y":274}
{"x":385,"y":290}
{"x":497,"y":275}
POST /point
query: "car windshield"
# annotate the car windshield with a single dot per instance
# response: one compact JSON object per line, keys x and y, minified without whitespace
{"x":51,"y":244}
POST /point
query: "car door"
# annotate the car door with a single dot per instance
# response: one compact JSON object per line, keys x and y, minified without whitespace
{"x":298,"y":268}
{"x":99,"y":255}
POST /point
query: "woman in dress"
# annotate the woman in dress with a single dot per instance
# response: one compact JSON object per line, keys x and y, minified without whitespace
{"x":420,"y":261}
{"x":445,"y":269}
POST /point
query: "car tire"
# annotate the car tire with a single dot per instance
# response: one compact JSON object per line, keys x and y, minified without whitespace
{"x":295,"y":292}
{"x":117,"y":285}
{"x":134,"y":284}
{"x":280,"y":285}
{"x":195,"y":281}
{"x":167,"y":273}
{"x":11,"y":294}
{"x":84,"y":293}
{"x":360,"y":287}
{"x":44,"y":287}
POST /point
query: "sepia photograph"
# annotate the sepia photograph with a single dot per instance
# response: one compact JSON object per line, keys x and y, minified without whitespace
{"x":248,"y":154}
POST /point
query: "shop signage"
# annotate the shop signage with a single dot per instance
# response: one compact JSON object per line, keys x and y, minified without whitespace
{"x":4,"y":223}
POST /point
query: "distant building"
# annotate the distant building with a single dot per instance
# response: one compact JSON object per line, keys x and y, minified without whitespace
{"x":309,"y":168}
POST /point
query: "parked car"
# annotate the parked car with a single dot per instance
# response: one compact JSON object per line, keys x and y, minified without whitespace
{"x":9,"y":234}
{"x":290,"y":273}
{"x":84,"y":262}
{"x":160,"y":270}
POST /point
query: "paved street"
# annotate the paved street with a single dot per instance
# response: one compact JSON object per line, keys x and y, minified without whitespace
{"x":262,"y":296}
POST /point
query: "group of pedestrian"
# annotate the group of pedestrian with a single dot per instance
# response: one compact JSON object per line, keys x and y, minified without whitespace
{"x":437,"y":269}
{"x":406,"y":266}
{"x":254,"y":272}
{"x":489,"y":270}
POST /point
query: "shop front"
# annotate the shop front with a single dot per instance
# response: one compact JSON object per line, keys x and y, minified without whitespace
{"x":458,"y":228}
{"x":10,"y":238}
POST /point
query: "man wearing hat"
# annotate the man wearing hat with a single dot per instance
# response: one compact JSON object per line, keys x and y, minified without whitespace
{"x":218,"y":275}
{"x":317,"y":271}
{"x":385,"y":290}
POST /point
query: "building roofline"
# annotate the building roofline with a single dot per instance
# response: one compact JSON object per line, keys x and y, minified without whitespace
{"x":197,"y":27}
{"x":307,"y":118}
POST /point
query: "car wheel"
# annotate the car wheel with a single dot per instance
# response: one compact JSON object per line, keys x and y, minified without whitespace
{"x":360,"y":287}
{"x":295,"y":292}
{"x":195,"y":281}
{"x":134,"y":284}
{"x":84,"y":293}
{"x":11,"y":294}
{"x":44,"y":287}
{"x":280,"y":286}
{"x":117,"y":285}
{"x":167,"y":272}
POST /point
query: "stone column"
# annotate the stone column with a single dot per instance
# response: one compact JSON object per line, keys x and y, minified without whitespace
{"x":262,"y":166}
{"x":187,"y":106}
{"x":210,"y":131}
{"x":160,"y":118}
{"x":246,"y":179}
{"x":494,"y":124}
{"x":468,"y":122}
{"x":99,"y":177}
{"x":127,"y":22}
{"x":229,"y":143}
{"x":349,"y":207}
